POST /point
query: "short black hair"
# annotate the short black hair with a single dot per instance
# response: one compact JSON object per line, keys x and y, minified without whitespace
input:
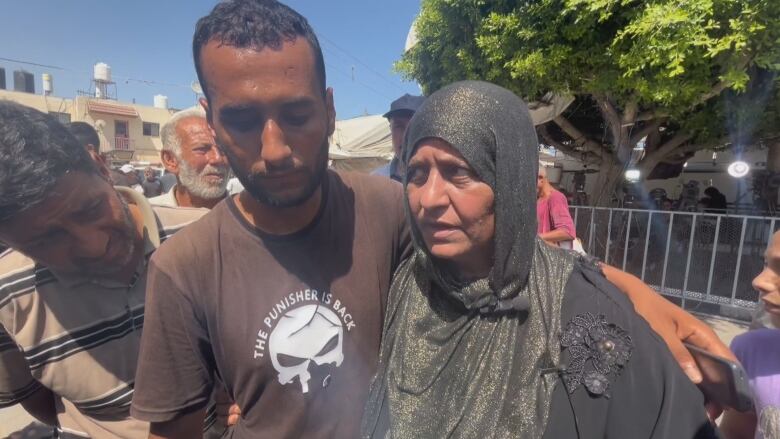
{"x":254,"y":24}
{"x":35,"y":152}
{"x":85,"y":134}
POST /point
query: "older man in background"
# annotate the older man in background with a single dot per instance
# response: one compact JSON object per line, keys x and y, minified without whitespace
{"x":191,"y":154}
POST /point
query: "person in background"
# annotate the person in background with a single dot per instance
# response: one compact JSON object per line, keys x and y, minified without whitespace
{"x":151,"y":184}
{"x":190,"y":153}
{"x":759,"y":352}
{"x":401,"y":111}
{"x":167,"y":182}
{"x":714,"y":201}
{"x":72,"y":289}
{"x":554,"y":223}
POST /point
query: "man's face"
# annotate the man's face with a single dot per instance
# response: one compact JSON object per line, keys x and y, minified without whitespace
{"x":540,"y":181}
{"x":149,"y":174}
{"x":768,"y":281}
{"x":398,"y":124}
{"x":82,"y":227}
{"x":270,"y":118}
{"x":202,"y":168}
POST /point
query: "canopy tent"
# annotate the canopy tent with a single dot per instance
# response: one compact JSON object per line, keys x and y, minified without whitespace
{"x":361,"y":144}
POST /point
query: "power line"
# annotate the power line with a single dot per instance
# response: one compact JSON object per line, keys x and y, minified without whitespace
{"x":66,"y":69}
{"x":359,"y":61}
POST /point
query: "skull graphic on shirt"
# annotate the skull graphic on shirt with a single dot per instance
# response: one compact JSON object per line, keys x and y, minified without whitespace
{"x":310,"y":335}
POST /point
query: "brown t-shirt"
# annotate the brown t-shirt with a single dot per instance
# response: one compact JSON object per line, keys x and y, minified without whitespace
{"x":291,"y":323}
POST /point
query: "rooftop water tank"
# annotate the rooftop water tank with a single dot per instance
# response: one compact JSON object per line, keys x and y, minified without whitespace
{"x":161,"y":101}
{"x":48,"y":84}
{"x":102,"y":72}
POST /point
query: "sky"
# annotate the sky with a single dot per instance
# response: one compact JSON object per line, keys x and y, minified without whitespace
{"x":148,"y":46}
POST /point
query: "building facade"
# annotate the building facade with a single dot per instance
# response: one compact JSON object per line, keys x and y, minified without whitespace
{"x":128,"y":132}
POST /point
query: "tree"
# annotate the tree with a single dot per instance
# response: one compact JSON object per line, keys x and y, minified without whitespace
{"x":642,"y":71}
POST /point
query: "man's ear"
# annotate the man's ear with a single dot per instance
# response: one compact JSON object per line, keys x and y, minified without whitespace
{"x":100,"y":162}
{"x":331,"y":110}
{"x":170,"y":162}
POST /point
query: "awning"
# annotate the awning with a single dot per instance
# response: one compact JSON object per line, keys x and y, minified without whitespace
{"x":115,"y":109}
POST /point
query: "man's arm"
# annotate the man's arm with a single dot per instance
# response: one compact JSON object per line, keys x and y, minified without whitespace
{"x":40,"y":405}
{"x":17,"y":385}
{"x":555,"y":236}
{"x":184,"y":427}
{"x":562,"y":223}
{"x":174,"y":377}
{"x":669,"y":321}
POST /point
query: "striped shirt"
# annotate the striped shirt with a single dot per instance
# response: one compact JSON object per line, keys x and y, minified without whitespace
{"x":79,"y":336}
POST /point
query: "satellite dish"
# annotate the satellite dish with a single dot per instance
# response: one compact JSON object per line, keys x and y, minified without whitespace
{"x":195,"y":86}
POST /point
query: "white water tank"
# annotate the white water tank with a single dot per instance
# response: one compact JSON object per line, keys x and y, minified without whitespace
{"x":161,"y":101}
{"x":102,"y":72}
{"x":48,"y":84}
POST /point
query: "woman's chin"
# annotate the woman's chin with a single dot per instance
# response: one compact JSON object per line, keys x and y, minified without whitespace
{"x":447,"y":252}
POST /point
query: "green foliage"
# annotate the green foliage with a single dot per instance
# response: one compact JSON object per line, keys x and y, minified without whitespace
{"x":666,"y":55}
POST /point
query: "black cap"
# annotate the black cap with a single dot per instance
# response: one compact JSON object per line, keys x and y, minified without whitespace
{"x":407,"y":102}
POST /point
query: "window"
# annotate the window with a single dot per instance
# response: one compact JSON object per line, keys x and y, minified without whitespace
{"x":151,"y":129}
{"x":63,"y":118}
{"x":120,"y":128}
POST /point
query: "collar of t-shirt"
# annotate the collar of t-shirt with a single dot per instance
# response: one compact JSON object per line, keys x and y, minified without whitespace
{"x":151,"y":242}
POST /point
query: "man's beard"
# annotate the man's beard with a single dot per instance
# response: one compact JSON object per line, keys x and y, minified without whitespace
{"x":196,"y":184}
{"x":252,"y":182}
{"x":129,"y":234}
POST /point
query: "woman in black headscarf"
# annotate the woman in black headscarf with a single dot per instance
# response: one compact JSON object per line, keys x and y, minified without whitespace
{"x":490,"y":333}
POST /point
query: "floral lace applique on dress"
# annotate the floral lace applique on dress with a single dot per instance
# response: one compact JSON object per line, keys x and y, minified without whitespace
{"x":598,"y":349}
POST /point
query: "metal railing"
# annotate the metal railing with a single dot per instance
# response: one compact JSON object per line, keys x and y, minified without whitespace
{"x":695,"y":258}
{"x":122,"y":143}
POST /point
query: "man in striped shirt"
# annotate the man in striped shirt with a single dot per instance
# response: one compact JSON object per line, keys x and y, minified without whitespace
{"x":72,"y":285}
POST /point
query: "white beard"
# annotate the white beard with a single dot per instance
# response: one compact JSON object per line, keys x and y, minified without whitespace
{"x":197,"y":185}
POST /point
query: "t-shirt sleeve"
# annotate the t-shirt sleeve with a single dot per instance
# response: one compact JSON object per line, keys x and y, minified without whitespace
{"x":559,"y":212}
{"x":16,"y":381}
{"x":175,"y":364}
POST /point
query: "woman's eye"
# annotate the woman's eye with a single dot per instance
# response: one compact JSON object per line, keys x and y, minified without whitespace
{"x":415,"y":175}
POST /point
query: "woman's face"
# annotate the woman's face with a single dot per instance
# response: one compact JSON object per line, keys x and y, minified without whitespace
{"x":452,"y":207}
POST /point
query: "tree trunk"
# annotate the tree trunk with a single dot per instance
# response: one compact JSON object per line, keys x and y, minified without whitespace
{"x":773,"y":156}
{"x":609,"y":178}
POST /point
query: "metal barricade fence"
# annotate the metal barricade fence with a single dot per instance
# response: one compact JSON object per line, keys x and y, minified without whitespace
{"x":699,"y":260}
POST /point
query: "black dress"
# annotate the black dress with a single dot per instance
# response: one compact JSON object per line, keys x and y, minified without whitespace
{"x":626,"y":401}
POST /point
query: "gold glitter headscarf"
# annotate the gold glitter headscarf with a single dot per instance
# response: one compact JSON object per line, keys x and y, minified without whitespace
{"x":473,"y":360}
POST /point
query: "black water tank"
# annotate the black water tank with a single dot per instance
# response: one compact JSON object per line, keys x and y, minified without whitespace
{"x":24,"y":81}
{"x":2,"y":78}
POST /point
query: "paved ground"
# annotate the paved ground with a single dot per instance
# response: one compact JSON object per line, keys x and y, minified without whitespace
{"x":15,"y":418}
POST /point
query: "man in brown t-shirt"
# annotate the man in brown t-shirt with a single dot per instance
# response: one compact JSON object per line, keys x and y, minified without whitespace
{"x":281,"y":289}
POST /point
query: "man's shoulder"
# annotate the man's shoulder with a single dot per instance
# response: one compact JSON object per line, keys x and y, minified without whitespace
{"x":173,"y":218}
{"x":166,"y":199}
{"x":186,"y":232}
{"x":20,"y":273}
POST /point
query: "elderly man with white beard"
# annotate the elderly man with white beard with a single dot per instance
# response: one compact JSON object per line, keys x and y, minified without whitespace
{"x":190,"y":152}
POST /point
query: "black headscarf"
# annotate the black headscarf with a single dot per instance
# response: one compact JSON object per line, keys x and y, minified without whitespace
{"x":467,"y":359}
{"x":491,"y":127}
